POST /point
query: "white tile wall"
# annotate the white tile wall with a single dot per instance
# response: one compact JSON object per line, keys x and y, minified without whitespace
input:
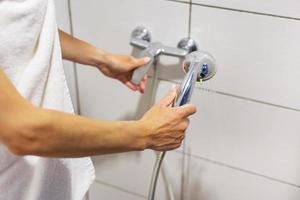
{"x":208,"y":181}
{"x":113,"y":34}
{"x":204,"y":180}
{"x":257,"y":56}
{"x":106,"y":192}
{"x":62,"y":14}
{"x":97,"y":25}
{"x":288,"y":8}
{"x":242,"y":147}
{"x":245,"y":134}
{"x":133,"y":172}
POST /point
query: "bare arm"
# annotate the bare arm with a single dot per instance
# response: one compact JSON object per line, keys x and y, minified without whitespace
{"x":115,"y":66}
{"x":28,"y":130}
{"x":79,"y":51}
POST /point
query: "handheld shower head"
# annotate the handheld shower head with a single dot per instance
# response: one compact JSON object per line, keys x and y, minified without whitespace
{"x":205,"y":64}
{"x":199,"y":66}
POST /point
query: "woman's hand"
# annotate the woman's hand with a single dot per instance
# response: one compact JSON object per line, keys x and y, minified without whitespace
{"x":164,"y":127}
{"x":121,"y":67}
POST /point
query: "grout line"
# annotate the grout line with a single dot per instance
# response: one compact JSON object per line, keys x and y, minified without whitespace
{"x":238,"y":97}
{"x":238,"y":169}
{"x":183,"y":164}
{"x":190,"y":18}
{"x":78,"y":105}
{"x":120,"y":189}
{"x":239,"y":10}
{"x":252,"y":100}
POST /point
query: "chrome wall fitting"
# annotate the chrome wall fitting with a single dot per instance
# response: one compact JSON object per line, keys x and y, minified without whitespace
{"x":188,"y":44}
{"x":141,"y":38}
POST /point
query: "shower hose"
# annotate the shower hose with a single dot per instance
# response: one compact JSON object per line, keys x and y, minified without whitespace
{"x":159,"y":155}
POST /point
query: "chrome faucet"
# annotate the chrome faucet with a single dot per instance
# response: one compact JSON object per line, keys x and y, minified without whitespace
{"x":141,"y":38}
{"x":198,"y":65}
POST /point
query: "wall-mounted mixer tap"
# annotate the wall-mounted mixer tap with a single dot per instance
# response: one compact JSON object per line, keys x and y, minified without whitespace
{"x":141,"y":38}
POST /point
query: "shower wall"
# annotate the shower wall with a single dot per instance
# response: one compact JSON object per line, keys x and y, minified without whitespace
{"x":244,"y":142}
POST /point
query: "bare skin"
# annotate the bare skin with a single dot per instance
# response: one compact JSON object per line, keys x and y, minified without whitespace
{"x":119,"y":67}
{"x":29,"y":130}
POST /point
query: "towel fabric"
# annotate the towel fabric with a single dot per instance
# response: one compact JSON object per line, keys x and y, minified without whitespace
{"x":30,"y":55}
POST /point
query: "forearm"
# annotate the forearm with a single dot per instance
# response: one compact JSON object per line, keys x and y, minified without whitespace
{"x":119,"y":67}
{"x":29,"y":130}
{"x":81,"y":52}
{"x":56,"y":134}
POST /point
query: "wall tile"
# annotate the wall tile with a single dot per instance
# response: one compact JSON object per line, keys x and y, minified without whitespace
{"x":257,"y":56}
{"x":133,"y":171}
{"x":288,"y":8}
{"x":62,"y":15}
{"x":203,"y":180}
{"x":108,"y":24}
{"x":207,"y":181}
{"x":244,"y":134}
{"x":100,"y":191}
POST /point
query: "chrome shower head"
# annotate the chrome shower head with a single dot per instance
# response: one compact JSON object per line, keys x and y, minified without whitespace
{"x":204,"y":65}
{"x":199,"y":66}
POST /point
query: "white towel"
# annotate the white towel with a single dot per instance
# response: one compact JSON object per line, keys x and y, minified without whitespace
{"x":30,"y":55}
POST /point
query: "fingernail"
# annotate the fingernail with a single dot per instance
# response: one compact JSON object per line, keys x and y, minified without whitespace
{"x":147,"y":59}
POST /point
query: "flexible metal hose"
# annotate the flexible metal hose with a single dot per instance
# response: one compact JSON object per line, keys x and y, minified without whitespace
{"x":156,"y":170}
{"x":160,"y":155}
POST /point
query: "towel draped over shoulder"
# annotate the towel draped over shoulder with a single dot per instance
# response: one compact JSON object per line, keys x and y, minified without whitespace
{"x":30,"y":56}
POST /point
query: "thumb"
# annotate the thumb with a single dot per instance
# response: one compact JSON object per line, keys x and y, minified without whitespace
{"x":140,"y":62}
{"x":186,"y":110}
{"x":168,"y":99}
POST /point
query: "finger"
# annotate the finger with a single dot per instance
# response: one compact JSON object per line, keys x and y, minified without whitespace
{"x":168,"y":146}
{"x":186,"y":110}
{"x":184,"y":125}
{"x":143,"y":84}
{"x":145,"y":78}
{"x":176,"y":146}
{"x":128,"y":83}
{"x":168,"y":99}
{"x":182,"y":138}
{"x":131,"y":86}
{"x":140,"y":90}
{"x":138,"y":62}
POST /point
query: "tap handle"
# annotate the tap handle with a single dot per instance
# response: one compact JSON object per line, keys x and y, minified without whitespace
{"x":140,"y":37}
{"x":139,"y":43}
{"x":140,"y":72}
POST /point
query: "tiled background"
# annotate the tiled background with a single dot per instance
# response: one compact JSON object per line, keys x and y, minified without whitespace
{"x":244,"y":143}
